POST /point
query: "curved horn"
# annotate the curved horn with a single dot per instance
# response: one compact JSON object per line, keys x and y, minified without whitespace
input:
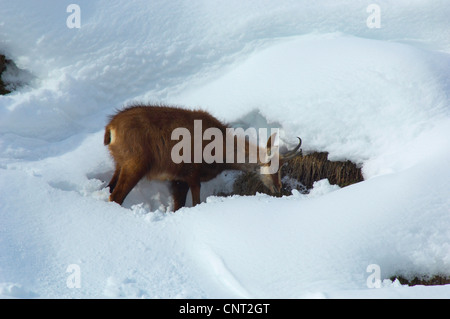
{"x":293,"y":153}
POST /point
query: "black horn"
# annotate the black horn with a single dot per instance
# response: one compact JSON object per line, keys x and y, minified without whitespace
{"x":293,"y":153}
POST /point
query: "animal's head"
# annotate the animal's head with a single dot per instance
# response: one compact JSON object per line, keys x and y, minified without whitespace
{"x":270,"y":168}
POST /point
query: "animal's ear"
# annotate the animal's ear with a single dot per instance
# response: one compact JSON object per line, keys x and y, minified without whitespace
{"x":270,"y":143}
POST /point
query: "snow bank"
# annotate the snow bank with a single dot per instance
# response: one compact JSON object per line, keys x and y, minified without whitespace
{"x":355,"y":98}
{"x":376,"y":96}
{"x":135,"y":49}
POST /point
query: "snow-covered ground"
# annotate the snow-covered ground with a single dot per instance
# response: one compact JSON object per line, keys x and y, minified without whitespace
{"x":376,"y":96}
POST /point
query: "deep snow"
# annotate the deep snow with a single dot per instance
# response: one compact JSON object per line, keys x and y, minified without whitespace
{"x":379,"y":97}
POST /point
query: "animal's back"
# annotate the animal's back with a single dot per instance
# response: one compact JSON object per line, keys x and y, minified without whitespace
{"x":144,"y":134}
{"x":160,"y":117}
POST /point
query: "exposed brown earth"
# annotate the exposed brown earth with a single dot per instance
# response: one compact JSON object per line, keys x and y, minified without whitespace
{"x":303,"y":171}
{"x":424,"y":280}
{"x":3,"y":63}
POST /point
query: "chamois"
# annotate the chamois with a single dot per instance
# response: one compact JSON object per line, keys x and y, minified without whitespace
{"x":141,"y":142}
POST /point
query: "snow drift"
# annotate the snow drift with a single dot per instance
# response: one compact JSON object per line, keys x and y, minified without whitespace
{"x":379,"y":97}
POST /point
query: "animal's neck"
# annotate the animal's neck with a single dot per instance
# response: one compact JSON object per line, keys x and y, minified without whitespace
{"x":243,"y":156}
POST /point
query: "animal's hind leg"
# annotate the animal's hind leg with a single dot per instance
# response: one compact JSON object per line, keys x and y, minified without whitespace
{"x":112,"y":184}
{"x":129,"y":176}
{"x":195,"y":191}
{"x":179,"y":192}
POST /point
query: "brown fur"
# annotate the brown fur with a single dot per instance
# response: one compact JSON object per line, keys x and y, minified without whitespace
{"x":139,"y":140}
